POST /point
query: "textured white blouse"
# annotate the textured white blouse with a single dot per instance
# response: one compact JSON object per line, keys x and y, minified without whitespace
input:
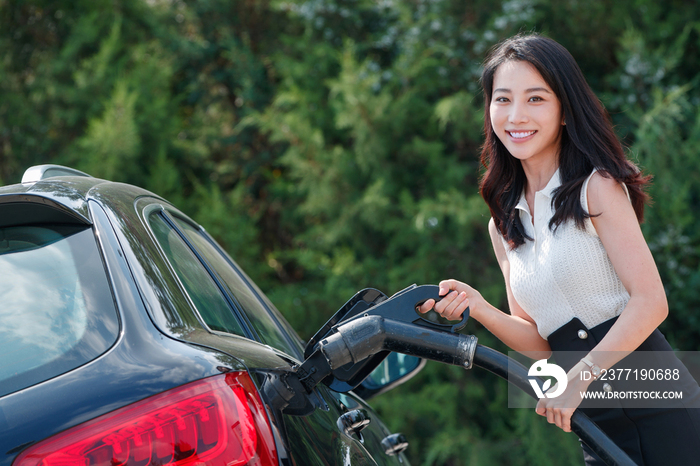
{"x":565,"y":273}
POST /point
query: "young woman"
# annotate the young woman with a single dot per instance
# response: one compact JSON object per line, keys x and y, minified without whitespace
{"x":566,"y":205}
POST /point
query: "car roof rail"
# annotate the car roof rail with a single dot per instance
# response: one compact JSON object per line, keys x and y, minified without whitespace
{"x":41,"y":172}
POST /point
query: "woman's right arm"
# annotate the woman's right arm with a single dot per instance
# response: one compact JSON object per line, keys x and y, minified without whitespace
{"x":517,"y":329}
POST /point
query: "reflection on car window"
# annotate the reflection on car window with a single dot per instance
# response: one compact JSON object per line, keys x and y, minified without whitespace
{"x":57,"y":310}
{"x":262,"y":321}
{"x":200,"y":286}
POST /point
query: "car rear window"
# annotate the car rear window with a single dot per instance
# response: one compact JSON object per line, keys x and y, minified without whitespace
{"x":57,"y":309}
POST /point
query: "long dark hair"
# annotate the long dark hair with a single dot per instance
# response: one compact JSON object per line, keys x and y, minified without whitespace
{"x":587,"y":141}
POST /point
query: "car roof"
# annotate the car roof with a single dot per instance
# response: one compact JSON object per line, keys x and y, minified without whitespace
{"x":61,"y":198}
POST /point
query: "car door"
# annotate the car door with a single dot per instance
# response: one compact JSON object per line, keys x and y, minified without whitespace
{"x":342,"y":429}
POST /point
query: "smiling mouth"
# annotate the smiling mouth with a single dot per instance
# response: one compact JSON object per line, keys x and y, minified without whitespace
{"x":520,"y":134}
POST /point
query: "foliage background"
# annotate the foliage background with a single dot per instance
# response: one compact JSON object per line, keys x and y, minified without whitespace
{"x":331,"y":145}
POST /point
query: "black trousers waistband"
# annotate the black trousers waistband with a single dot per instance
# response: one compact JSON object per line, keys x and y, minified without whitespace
{"x":575,"y":340}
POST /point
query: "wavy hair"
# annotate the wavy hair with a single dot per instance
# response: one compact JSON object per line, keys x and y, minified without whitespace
{"x":587,"y":141}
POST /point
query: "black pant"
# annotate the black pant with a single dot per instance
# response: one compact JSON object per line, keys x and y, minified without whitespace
{"x":663,"y":436}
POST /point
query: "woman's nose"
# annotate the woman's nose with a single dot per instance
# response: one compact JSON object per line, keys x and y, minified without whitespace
{"x":518,"y":114}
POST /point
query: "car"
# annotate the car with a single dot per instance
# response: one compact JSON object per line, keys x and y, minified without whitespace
{"x":128,"y":337}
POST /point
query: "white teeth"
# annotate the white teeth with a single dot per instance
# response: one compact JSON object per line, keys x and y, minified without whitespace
{"x":520,"y":135}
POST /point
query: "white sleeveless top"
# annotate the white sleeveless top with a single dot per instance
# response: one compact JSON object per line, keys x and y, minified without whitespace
{"x":565,"y":273}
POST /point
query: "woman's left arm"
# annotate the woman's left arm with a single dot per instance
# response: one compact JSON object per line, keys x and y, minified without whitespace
{"x":621,"y":235}
{"x":619,"y":231}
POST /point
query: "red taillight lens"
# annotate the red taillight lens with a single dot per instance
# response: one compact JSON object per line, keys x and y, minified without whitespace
{"x":219,"y":421}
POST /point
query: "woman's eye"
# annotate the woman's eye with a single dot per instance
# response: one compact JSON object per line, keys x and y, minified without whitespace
{"x":535,"y":98}
{"x":500,"y":99}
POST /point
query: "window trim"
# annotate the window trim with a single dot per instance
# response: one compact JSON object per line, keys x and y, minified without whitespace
{"x":171,"y":214}
{"x":161,"y":210}
{"x":232,"y":302}
{"x":285,"y":329}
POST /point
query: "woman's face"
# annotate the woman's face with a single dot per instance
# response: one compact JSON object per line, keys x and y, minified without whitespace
{"x":525,"y":113}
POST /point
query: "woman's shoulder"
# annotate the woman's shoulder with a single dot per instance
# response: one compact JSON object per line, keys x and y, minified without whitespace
{"x":494,"y":232}
{"x":500,"y":246}
{"x":492,"y":226}
{"x":602,"y":191}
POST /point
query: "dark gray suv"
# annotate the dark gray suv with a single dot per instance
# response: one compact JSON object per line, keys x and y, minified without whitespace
{"x":128,"y":337}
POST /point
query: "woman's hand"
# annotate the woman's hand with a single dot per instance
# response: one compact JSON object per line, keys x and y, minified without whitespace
{"x":457,"y":296}
{"x":559,"y":410}
{"x":517,"y":330}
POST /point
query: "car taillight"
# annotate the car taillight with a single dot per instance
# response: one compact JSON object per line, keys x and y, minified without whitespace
{"x":218,"y":421}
